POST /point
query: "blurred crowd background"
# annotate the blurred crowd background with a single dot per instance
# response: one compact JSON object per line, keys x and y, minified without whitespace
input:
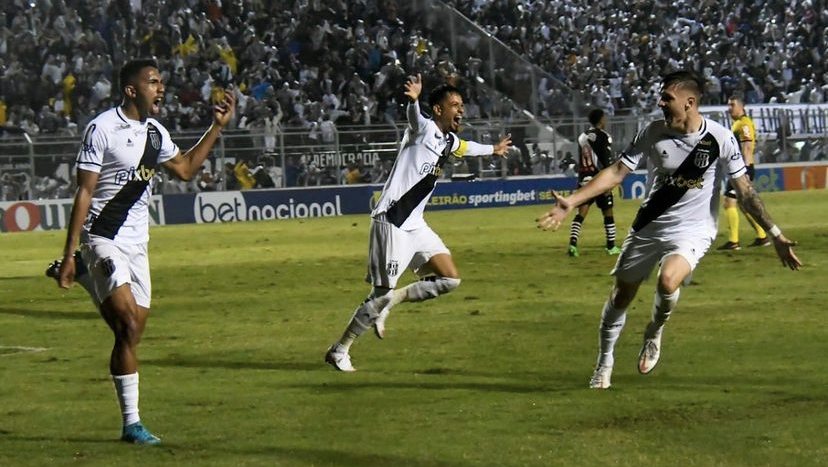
{"x":319,"y":64}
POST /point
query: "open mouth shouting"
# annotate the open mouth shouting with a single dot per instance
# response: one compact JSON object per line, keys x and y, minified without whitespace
{"x":156,"y":105}
{"x":455,"y":123}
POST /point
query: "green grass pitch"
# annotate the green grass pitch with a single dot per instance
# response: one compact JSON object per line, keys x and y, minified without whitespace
{"x":493,"y":374}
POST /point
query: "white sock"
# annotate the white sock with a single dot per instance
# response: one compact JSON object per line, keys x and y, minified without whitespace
{"x":612,"y":322}
{"x":126,"y":386}
{"x":424,"y":289}
{"x":663,"y":305}
{"x":361,"y":320}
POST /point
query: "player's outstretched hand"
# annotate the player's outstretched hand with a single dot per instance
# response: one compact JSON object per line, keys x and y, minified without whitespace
{"x":413,"y":87}
{"x":501,"y":147}
{"x":223,"y":112}
{"x":784,"y":249}
{"x":553,"y":218}
{"x":66,"y":272}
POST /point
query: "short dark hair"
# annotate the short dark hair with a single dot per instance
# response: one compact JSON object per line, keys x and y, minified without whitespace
{"x":685,"y":79}
{"x":595,"y":116}
{"x":132,"y":69}
{"x":738,"y":98}
{"x":441,"y":92}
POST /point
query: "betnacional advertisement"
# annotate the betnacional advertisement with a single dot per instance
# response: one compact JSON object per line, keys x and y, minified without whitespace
{"x":299,"y":203}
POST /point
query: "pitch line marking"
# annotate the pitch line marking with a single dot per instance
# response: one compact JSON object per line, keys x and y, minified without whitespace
{"x":17,"y":349}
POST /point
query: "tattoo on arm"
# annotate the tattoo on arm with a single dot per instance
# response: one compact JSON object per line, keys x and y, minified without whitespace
{"x":753,"y":205}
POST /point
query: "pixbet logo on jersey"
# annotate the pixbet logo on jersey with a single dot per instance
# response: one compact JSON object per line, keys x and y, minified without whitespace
{"x":139,"y":174}
{"x":429,"y":168}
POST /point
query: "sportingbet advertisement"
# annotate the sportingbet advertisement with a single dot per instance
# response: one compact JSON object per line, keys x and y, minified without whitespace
{"x":241,"y":206}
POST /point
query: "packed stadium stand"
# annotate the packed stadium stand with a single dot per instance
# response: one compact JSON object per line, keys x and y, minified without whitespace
{"x":320,"y":64}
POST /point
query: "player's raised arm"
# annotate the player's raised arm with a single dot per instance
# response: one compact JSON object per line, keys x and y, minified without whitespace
{"x":413,"y":89}
{"x":463,"y":148}
{"x":185,"y":165}
{"x":753,"y":205}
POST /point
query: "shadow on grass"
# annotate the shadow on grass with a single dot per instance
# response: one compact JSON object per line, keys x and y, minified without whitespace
{"x":334,"y":457}
{"x":47,"y":314}
{"x":208,"y":362}
{"x":431,"y":378}
{"x":56,"y":439}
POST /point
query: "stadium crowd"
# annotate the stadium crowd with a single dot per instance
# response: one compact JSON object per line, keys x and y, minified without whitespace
{"x":769,"y":51}
{"x":316,"y":64}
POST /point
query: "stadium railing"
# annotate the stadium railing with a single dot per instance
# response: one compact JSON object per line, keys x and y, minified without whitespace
{"x":293,"y":157}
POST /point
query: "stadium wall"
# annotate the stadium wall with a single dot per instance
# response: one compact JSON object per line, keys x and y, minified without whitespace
{"x":236,"y":206}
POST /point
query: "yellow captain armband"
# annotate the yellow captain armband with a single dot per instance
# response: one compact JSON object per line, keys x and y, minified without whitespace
{"x":461,"y":149}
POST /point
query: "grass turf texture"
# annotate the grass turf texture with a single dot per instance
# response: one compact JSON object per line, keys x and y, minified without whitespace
{"x":495,"y":373}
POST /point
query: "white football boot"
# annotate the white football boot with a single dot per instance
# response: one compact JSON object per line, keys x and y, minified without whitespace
{"x":601,"y":377}
{"x":379,"y":324}
{"x":339,"y":359}
{"x":650,"y":353}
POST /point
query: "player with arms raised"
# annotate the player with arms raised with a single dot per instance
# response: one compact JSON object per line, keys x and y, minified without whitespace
{"x":399,"y":237}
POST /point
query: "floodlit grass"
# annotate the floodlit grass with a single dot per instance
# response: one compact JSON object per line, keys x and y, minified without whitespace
{"x":493,"y":374}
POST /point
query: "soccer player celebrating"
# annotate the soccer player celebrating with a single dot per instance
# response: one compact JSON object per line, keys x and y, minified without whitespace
{"x":596,"y":153}
{"x":745,"y":133}
{"x":687,"y":157}
{"x":399,"y":236}
{"x":121,"y":151}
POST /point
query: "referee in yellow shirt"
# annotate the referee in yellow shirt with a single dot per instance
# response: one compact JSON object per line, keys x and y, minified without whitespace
{"x":745,"y":133}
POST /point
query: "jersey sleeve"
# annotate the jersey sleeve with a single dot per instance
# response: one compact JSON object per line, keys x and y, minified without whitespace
{"x":168,"y":148}
{"x":745,"y":131}
{"x":461,"y":148}
{"x":735,"y":162}
{"x":416,"y":120}
{"x":631,"y":157}
{"x":93,"y":147}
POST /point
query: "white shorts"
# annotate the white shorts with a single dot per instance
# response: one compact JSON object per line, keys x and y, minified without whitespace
{"x":111,"y":266}
{"x":640,"y":255}
{"x":392,"y":250}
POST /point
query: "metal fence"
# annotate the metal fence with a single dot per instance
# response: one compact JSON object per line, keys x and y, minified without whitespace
{"x":42,"y":167}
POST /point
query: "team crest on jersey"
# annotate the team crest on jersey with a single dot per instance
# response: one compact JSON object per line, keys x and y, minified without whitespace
{"x":392,"y":268}
{"x":702,"y":159}
{"x":107,"y":265}
{"x":155,"y":138}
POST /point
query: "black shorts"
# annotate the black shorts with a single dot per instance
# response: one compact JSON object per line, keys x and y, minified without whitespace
{"x":604,"y":201}
{"x":730,"y":192}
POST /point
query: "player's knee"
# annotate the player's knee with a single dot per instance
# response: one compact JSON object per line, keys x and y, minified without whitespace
{"x":447,"y":284}
{"x":128,"y":330}
{"x":669,"y":282}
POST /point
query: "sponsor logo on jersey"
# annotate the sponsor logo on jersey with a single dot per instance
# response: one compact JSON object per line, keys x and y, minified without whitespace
{"x":429,"y":168}
{"x":139,"y":174}
{"x":86,"y":143}
{"x":682,"y":182}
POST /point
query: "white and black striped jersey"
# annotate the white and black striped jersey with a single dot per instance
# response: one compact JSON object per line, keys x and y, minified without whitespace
{"x":685,"y":172}
{"x":126,"y":154}
{"x":424,"y":150}
{"x":595,"y":147}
